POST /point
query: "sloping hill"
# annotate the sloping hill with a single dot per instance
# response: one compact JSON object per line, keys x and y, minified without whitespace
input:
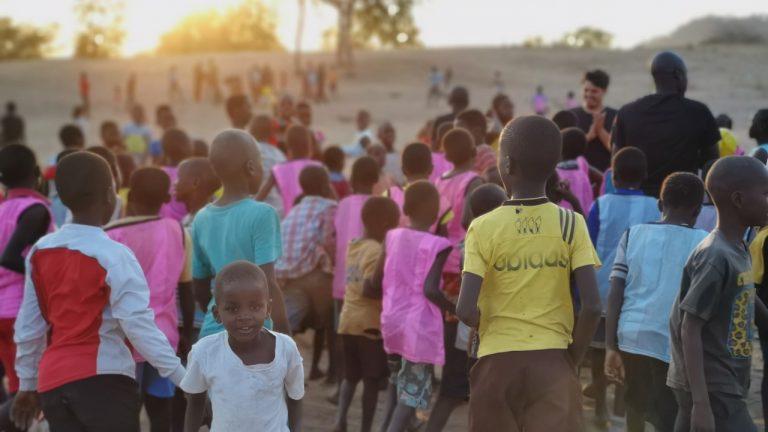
{"x":716,"y":30}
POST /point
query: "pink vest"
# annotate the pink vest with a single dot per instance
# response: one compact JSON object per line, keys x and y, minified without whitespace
{"x":286,"y":176}
{"x":397,"y":195}
{"x":578,"y":179}
{"x":159,"y":247}
{"x":440,"y":166}
{"x":174,"y":209}
{"x":12,"y":283}
{"x":454,"y":189}
{"x":410,"y":325}
{"x":349,"y":226}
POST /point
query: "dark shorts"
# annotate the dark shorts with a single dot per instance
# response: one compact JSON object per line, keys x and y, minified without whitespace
{"x":534,"y":391}
{"x":730,"y":412}
{"x":308,"y":302}
{"x":413,"y":381}
{"x":646,"y":394}
{"x":598,"y":341}
{"x":364,"y":358}
{"x":103,"y":403}
{"x":455,"y":382}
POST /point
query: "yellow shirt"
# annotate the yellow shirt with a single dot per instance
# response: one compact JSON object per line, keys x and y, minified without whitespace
{"x":756,"y":251}
{"x":525,"y":255}
{"x":360,"y":316}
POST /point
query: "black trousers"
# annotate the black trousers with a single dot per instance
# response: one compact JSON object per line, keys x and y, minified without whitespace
{"x":730,"y":412}
{"x":103,"y":403}
{"x":646,"y":394}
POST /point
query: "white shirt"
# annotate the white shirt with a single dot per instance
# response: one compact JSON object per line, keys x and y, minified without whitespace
{"x":245,"y":397}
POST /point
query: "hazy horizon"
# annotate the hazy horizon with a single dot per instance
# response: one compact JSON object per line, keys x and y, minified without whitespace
{"x":442,"y":23}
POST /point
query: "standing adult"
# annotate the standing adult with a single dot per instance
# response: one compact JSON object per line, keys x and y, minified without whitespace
{"x":459,"y":101}
{"x":12,"y":126}
{"x":674,"y":132}
{"x":596,"y":119}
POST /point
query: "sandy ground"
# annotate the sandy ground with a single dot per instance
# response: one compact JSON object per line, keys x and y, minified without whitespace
{"x":391,"y":85}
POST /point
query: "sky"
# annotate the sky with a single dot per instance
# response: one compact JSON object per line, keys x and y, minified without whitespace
{"x":441,"y":22}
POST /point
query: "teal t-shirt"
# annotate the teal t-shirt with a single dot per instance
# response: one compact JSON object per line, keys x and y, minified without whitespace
{"x":244,"y":230}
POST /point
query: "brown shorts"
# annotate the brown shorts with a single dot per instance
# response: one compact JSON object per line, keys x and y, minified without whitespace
{"x":364,"y":358}
{"x":534,"y":391}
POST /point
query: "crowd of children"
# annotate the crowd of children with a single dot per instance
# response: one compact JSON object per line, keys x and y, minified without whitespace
{"x":162,"y":275}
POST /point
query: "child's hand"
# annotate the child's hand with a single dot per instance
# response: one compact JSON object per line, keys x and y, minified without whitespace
{"x":614,"y":366}
{"x":702,"y":419}
{"x":26,"y":408}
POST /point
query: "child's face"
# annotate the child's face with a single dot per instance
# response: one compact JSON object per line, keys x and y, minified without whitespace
{"x":185,"y":186}
{"x":752,"y":203}
{"x":242,"y":307}
{"x":387,"y":135}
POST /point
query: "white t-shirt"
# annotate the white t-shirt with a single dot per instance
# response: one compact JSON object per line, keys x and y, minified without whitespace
{"x":244,"y":397}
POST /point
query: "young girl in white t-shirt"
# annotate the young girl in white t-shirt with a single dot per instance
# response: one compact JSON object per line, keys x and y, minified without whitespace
{"x":246,"y":370}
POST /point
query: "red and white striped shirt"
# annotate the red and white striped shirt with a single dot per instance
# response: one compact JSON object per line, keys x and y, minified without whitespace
{"x":84,"y":294}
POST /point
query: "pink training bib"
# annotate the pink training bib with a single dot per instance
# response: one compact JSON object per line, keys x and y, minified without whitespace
{"x":159,"y":247}
{"x":397,"y":195}
{"x":12,"y":283}
{"x":580,"y":187}
{"x":454,"y":189}
{"x":411,"y":326}
{"x":286,"y":176}
{"x":349,"y":226}
{"x":440,"y":166}
{"x":174,"y":209}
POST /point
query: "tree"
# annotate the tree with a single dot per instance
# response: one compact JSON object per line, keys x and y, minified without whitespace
{"x":101,"y":32}
{"x":249,"y":26}
{"x":587,"y":37}
{"x":384,"y":23}
{"x":299,"y":35}
{"x":22,"y":41}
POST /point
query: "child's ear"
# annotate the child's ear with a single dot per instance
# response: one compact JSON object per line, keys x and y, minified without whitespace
{"x":660,"y":203}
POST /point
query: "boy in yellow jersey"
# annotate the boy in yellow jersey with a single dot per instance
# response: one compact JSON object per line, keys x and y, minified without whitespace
{"x":518,"y":264}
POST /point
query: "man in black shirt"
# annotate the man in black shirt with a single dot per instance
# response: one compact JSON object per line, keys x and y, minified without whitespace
{"x":12,"y":126}
{"x":459,"y":101}
{"x":596,"y":119}
{"x":675,"y":133}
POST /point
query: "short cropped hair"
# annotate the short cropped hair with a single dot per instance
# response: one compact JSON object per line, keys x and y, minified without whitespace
{"x":150,"y":186}
{"x":630,"y":165}
{"x":333,"y":158}
{"x":682,"y":190}
{"x":574,"y":143}
{"x":459,"y":146}
{"x":365,"y":171}
{"x":598,"y":78}
{"x":17,"y":165}
{"x":380,"y":214}
{"x":416,"y":158}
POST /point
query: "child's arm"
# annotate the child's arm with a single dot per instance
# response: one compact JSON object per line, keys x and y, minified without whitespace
{"x":466,"y":212}
{"x":266,"y":188}
{"x":614,"y":367}
{"x":432,"y":284}
{"x":294,"y":414}
{"x":702,"y":418}
{"x":372,"y":285}
{"x":193,"y":417}
{"x":279,"y":316}
{"x":187,"y":301}
{"x":202,"y":292}
{"x":589,"y":315}
{"x":32,"y":224}
{"x":466,"y":309}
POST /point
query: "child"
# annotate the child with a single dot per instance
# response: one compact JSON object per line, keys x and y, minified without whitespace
{"x":417,"y":165}
{"x":728,"y":145}
{"x":195,"y":186}
{"x":85,"y":294}
{"x":455,"y":186}
{"x":305,"y":270}
{"x":644,"y":283}
{"x":333,"y":158}
{"x":565,"y":120}
{"x":574,"y":168}
{"x":407,"y":278}
{"x":254,"y":376}
{"x":110,"y":137}
{"x":363,"y":135}
{"x":25,"y":216}
{"x":58,"y":209}
{"x":711,"y":322}
{"x":519,"y":261}
{"x":475,"y":122}
{"x":540,"y":102}
{"x":758,"y":131}
{"x":440,"y":164}
{"x":261,"y":128}
{"x":610,"y":216}
{"x":235,"y":226}
{"x":707,"y":219}
{"x":359,"y":323}
{"x":137,"y":135}
{"x":348,"y":223}
{"x":285,"y":176}
{"x":379,"y":153}
{"x":176,"y":147}
{"x":454,"y":387}
{"x":387,"y":136}
{"x":165,"y":120}
{"x":164,"y":252}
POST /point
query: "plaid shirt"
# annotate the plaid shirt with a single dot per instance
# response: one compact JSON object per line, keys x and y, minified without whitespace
{"x":309,"y":238}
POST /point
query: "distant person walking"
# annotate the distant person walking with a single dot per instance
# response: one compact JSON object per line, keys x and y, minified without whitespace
{"x":675,"y":133}
{"x":12,"y":126}
{"x":175,"y":94}
{"x":540,"y":102}
{"x":130,"y":91}
{"x":198,"y":82}
{"x":595,"y":119}
{"x":84,"y":85}
{"x":436,"y":80}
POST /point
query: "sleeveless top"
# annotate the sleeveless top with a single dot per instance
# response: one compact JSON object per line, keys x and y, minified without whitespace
{"x":12,"y":283}
{"x":454,"y":189}
{"x":286,"y":176}
{"x":173,"y":209}
{"x":411,"y":325}
{"x":349,"y":226}
{"x":158,"y":244}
